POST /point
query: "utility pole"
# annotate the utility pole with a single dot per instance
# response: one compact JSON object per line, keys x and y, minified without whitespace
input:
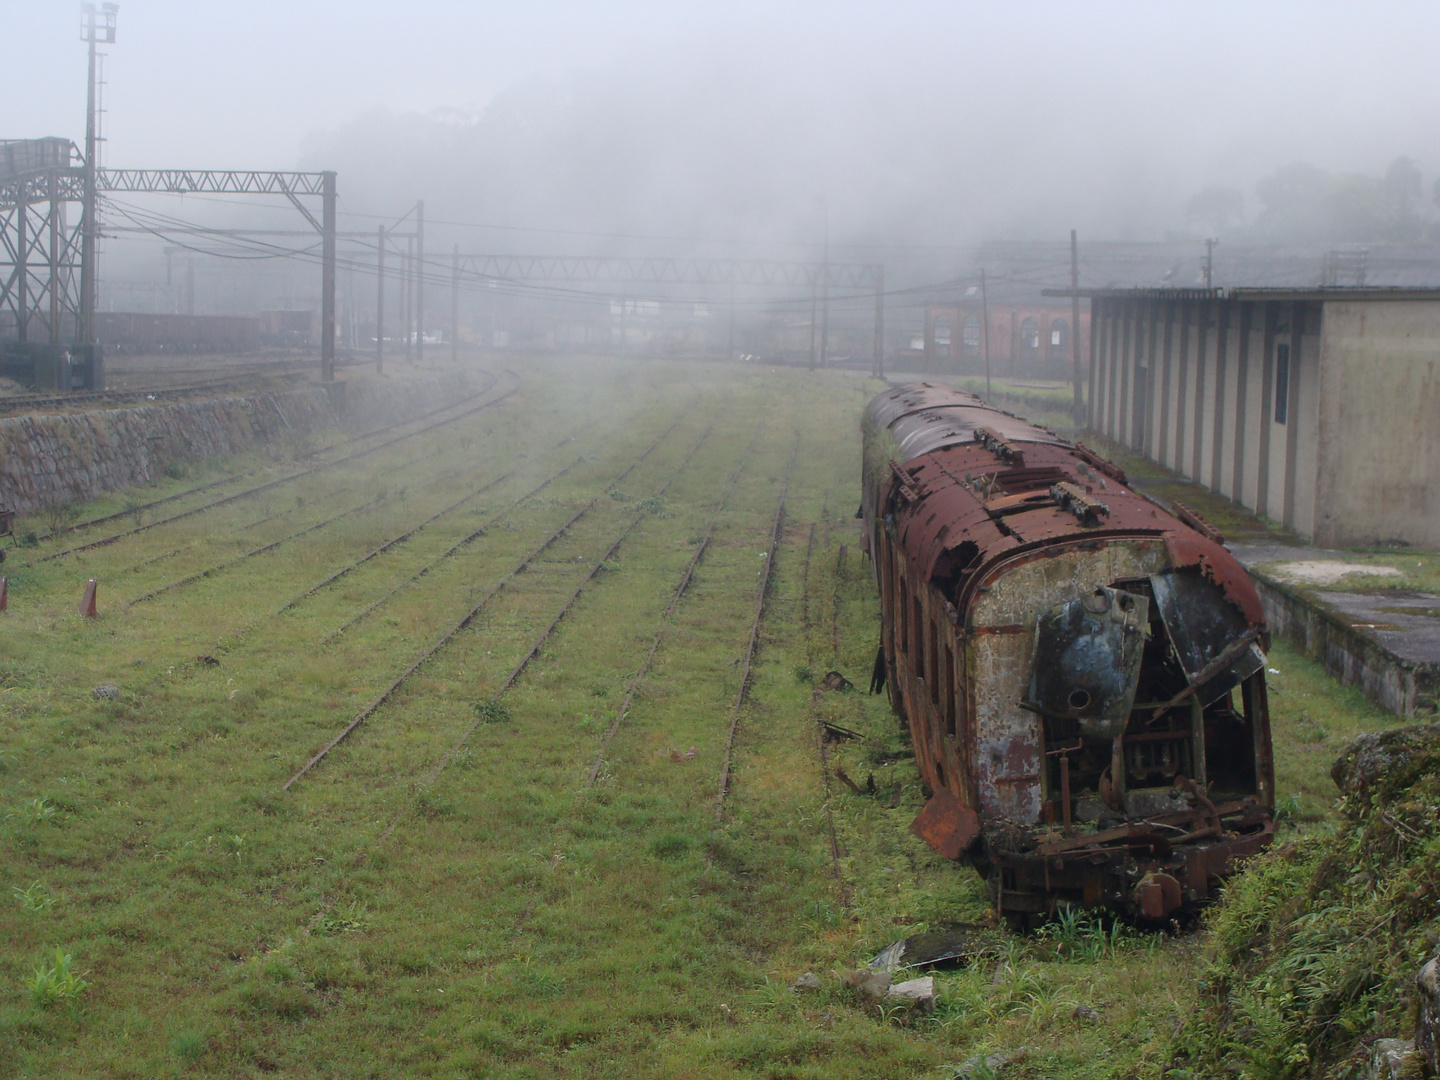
{"x":1209,"y":260}
{"x":405,"y":307}
{"x":380,"y":304}
{"x":813,"y":286}
{"x":455,"y":308}
{"x":327,"y":278}
{"x":730,"y":339}
{"x":985,"y":331}
{"x":190,"y":284}
{"x":1075,"y":327}
{"x":825,"y":290}
{"x":878,"y":369}
{"x":97,"y":27}
{"x":420,"y":279}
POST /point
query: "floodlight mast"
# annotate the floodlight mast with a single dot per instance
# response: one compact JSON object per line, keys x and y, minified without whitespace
{"x":97,"y":27}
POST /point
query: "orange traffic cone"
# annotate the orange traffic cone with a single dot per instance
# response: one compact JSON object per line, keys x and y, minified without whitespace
{"x":87,"y":602}
{"x":4,"y":593}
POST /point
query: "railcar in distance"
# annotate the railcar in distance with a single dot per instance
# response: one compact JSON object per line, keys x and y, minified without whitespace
{"x":1082,"y":671}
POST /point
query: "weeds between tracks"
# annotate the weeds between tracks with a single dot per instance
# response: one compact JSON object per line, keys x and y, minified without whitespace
{"x":528,"y":924}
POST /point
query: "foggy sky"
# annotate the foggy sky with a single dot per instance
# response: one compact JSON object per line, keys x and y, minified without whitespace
{"x":938,"y":124}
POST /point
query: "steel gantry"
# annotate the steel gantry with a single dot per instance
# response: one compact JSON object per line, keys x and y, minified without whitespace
{"x":292,"y":185}
{"x":40,"y":247}
{"x":46,"y":268}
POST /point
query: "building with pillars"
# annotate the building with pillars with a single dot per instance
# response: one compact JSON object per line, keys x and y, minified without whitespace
{"x":1316,"y":407}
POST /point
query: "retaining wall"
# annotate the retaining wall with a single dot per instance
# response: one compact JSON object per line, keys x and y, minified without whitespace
{"x":74,"y":457}
{"x":1349,"y":654}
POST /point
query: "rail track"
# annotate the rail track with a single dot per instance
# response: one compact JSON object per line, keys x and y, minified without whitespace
{"x":821,"y":742}
{"x":470,"y":616}
{"x":271,"y":484}
{"x":635,"y":680}
{"x":743,"y":691}
{"x":345,"y":440}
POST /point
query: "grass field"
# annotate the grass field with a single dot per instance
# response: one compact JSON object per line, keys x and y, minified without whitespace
{"x":446,"y":893}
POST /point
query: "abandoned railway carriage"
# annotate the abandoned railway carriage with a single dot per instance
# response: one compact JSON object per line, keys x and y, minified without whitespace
{"x":1081,"y":670}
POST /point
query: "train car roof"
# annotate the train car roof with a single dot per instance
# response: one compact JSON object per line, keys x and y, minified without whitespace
{"x":967,"y":501}
{"x":924,"y":417}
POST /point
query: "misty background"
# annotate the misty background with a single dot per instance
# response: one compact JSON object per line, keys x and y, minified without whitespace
{"x":917,"y":131}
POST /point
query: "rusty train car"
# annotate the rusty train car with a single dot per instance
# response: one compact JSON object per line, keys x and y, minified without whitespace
{"x":1082,"y":670}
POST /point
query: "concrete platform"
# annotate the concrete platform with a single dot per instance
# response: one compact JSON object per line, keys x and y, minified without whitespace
{"x":1386,"y":641}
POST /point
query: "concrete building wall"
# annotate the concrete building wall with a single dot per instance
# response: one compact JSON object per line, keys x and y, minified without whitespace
{"x":1344,"y":446}
{"x":1378,"y":469}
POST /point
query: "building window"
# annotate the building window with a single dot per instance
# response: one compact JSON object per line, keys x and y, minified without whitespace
{"x":1282,"y":382}
{"x":1059,"y":340}
{"x":942,"y":331}
{"x":970,"y":337}
{"x":1030,"y":335}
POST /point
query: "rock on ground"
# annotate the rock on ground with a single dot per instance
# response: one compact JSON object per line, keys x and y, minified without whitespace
{"x":1427,"y":1028}
{"x":920,"y":993}
{"x":1393,"y":756}
{"x":106,"y":692}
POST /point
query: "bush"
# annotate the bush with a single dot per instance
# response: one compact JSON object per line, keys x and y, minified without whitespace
{"x":55,"y":982}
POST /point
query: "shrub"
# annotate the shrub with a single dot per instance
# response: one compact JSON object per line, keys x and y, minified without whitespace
{"x":56,"y":982}
{"x":492,"y":711}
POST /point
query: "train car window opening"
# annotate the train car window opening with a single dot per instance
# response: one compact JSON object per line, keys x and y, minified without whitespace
{"x":934,"y":666}
{"x":950,"y":691}
{"x":917,"y":636}
{"x":1282,"y":382}
{"x":901,"y":622}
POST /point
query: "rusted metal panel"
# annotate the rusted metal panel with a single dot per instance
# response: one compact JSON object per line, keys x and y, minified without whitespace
{"x":947,"y":825}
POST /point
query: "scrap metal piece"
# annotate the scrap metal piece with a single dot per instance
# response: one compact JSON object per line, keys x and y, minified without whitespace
{"x":1157,"y":895}
{"x":1001,"y":447}
{"x":957,"y":945}
{"x":1087,"y":660}
{"x":947,"y":825}
{"x":1087,"y":509}
{"x":1211,"y":635}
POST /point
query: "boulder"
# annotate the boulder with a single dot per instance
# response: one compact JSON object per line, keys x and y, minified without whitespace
{"x":919,"y":993}
{"x":1427,"y":1027}
{"x":106,"y":692}
{"x":872,"y":986}
{"x":1395,"y":756}
{"x":1392,"y":1059}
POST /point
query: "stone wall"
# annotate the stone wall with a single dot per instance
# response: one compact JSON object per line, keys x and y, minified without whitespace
{"x":74,"y":457}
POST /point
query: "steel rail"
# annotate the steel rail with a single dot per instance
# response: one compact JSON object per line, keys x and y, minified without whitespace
{"x":282,"y":480}
{"x":744,"y":688}
{"x":210,"y":571}
{"x":545,"y":634}
{"x":680,"y":589}
{"x":242,"y":475}
{"x":469,"y":616}
{"x":807,"y":630}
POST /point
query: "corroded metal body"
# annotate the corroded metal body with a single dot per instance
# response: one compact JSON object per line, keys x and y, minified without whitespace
{"x":1081,"y":670}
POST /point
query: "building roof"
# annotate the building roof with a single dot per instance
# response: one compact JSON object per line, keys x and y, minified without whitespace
{"x":1017,"y":271}
{"x":1330,"y":292}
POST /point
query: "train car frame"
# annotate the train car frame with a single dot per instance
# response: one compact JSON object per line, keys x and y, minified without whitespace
{"x":1081,"y":668}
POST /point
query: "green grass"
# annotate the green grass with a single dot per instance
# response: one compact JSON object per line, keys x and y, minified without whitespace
{"x":500,"y":917}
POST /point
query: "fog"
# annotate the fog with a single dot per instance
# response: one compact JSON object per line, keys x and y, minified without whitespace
{"x":738,"y":128}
